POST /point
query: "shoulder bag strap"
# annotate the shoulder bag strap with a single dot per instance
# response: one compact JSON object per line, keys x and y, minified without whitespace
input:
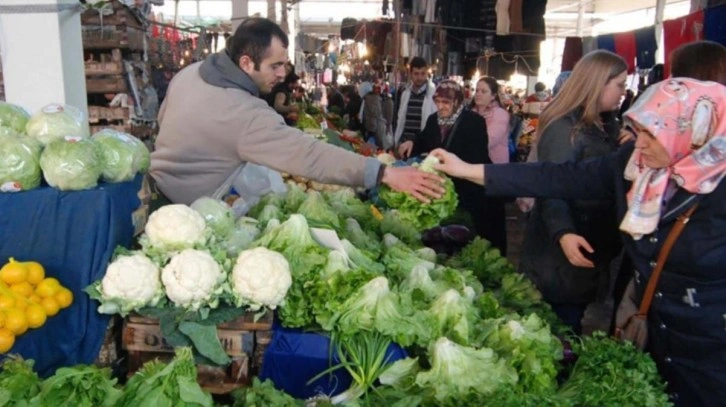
{"x":665,"y":251}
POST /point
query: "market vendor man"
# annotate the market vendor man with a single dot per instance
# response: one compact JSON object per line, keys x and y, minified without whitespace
{"x":213,"y":122}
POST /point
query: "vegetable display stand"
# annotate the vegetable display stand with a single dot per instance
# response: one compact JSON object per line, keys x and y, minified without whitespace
{"x":144,"y":341}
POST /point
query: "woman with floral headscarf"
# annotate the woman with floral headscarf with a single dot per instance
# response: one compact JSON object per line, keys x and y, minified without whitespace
{"x":677,"y":161}
{"x":463,"y":133}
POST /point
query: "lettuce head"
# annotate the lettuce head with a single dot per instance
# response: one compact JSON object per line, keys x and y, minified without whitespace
{"x":13,"y":118}
{"x":55,"y":122}
{"x":19,"y":163}
{"x":423,"y":215}
{"x":71,"y":163}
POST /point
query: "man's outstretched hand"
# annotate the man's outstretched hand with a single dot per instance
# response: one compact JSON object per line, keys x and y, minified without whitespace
{"x":424,"y":186}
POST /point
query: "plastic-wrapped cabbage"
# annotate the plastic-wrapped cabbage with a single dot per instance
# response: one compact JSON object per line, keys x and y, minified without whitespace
{"x":19,"y":163}
{"x":122,"y":155}
{"x":56,"y":121}
{"x":13,"y":118}
{"x":142,"y":157}
{"x":217,"y":214}
{"x":71,"y":163}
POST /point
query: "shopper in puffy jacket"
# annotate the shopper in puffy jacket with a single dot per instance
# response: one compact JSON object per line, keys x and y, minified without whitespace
{"x":677,"y":161}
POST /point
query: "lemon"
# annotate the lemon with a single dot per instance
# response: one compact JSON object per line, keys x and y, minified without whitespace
{"x":7,"y":340}
{"x":6,"y":302}
{"x":50,"y":305}
{"x":23,"y":289}
{"x":2,"y":319}
{"x":64,"y":297}
{"x":13,"y":272}
{"x":16,"y":321}
{"x":36,"y":272}
{"x":47,"y":288}
{"x":35,"y":314}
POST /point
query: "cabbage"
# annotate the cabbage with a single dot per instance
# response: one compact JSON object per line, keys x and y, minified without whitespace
{"x":71,"y":163}
{"x":55,"y":121}
{"x":217,"y":214}
{"x":19,"y":163}
{"x":122,"y":155}
{"x":12,"y":118}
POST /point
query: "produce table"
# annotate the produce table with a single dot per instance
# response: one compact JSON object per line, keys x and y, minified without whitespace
{"x":72,"y":234}
{"x":294,"y":357}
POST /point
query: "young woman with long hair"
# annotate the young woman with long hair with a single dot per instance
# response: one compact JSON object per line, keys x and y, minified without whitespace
{"x":569,"y":244}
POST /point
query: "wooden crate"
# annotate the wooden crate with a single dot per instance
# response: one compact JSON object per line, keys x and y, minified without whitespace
{"x":143,"y":340}
{"x":108,"y":84}
{"x":117,"y":127}
{"x":96,"y":68}
{"x":214,"y":379}
{"x":244,"y":323}
{"x":108,"y":37}
{"x":98,"y":113}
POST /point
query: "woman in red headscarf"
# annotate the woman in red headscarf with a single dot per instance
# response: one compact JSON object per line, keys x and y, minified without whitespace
{"x":671,"y":175}
{"x":463,"y":133}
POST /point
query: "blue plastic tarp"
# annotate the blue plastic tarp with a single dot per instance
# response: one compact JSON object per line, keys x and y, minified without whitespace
{"x":73,"y":235}
{"x":293,"y":357}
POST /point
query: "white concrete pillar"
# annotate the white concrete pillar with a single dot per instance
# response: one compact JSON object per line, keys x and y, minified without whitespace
{"x":272,"y":10}
{"x":580,"y":17}
{"x":294,"y":27}
{"x":42,"y":54}
{"x":659,"y":13}
{"x":240,"y":10}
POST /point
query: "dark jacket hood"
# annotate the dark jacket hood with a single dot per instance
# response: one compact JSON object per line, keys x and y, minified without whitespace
{"x":219,"y":70}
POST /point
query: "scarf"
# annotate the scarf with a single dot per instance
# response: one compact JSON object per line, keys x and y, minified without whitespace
{"x":452,"y":91}
{"x":688,"y":118}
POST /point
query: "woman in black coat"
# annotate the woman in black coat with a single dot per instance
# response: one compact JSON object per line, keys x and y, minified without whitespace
{"x":579,"y":124}
{"x":677,"y":161}
{"x":463,"y":133}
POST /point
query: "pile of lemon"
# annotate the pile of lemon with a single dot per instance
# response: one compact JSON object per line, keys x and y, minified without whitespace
{"x":27,"y":299}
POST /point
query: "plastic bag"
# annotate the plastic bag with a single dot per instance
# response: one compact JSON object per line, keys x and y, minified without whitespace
{"x":55,"y":122}
{"x":254,"y":182}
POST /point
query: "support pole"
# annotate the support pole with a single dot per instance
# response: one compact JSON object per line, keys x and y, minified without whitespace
{"x":272,"y":10}
{"x":42,"y":54}
{"x":659,"y":12}
{"x":240,"y":11}
{"x":580,"y":16}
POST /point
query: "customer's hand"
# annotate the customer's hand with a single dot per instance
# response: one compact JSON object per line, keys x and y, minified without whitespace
{"x":404,"y":150}
{"x":450,"y":163}
{"x":424,"y":186}
{"x":572,"y":246}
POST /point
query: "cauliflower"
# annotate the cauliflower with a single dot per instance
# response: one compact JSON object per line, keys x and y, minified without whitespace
{"x":193,"y":279}
{"x":261,"y":277}
{"x":174,"y":227}
{"x":131,"y":282}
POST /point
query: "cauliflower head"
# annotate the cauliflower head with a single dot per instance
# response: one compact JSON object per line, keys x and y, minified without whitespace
{"x":193,"y":280}
{"x":131,"y":282}
{"x":261,"y":278}
{"x":175,"y":227}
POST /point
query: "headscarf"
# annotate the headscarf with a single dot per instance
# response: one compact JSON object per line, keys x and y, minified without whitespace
{"x":450,"y":90}
{"x":688,"y":118}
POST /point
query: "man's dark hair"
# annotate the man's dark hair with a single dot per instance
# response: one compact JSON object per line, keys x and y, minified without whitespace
{"x":252,"y":38}
{"x":418,"y":63}
{"x":702,"y":60}
{"x":539,"y":87}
